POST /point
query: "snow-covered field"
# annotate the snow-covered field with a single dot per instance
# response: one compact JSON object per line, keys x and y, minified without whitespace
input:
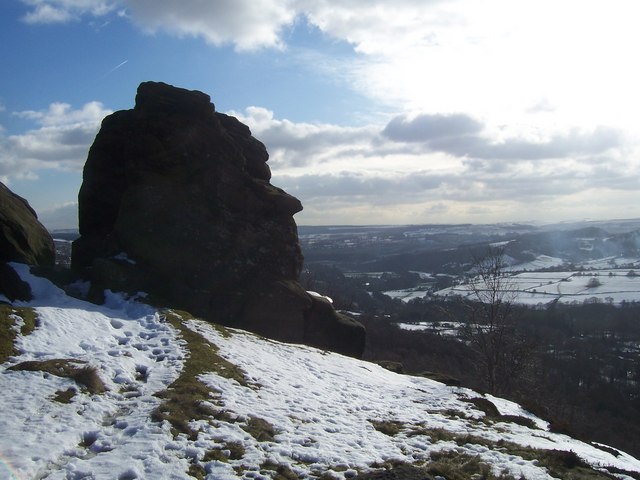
{"x":406,"y":294}
{"x":323,"y":413}
{"x":541,"y":262}
{"x":533,"y":288}
{"x":451,"y":329}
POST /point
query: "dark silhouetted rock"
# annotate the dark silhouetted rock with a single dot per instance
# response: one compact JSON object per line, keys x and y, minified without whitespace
{"x":176,"y":202}
{"x":12,"y":286}
{"x":23,"y":239}
{"x":325,"y":326}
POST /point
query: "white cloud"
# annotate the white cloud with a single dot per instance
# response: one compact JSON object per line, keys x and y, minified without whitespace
{"x":545,"y":63}
{"x":511,"y":102}
{"x":60,"y":217}
{"x":62,"y":11}
{"x":497,"y":59}
{"x":249,"y":24}
{"x":61,"y":140}
{"x":425,"y":127}
{"x":305,"y":144}
{"x":362,"y":175}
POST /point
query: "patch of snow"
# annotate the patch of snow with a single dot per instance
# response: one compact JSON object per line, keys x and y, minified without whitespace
{"x":500,"y":244}
{"x":123,"y":257}
{"x":423,"y":275}
{"x":323,"y":407}
{"x":120,"y":340}
{"x":541,"y":261}
{"x":406,"y":294}
{"x":443,"y":328}
{"x":532,"y":288}
{"x":318,"y":295}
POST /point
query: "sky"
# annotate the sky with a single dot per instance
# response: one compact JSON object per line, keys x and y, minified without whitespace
{"x":376,"y":112}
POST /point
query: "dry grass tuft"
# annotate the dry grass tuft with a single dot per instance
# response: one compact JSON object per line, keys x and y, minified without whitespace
{"x":84,"y":375}
{"x":8,"y":332}
{"x":260,"y":429}
{"x":388,"y":427}
{"x":64,"y":396}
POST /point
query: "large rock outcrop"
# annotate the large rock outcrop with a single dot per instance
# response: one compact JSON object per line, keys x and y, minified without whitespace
{"x":23,"y":239}
{"x":176,"y":201}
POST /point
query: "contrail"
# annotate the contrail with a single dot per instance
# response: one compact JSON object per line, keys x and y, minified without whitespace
{"x":116,"y":67}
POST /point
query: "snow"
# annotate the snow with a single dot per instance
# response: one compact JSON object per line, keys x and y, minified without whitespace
{"x":423,"y":275}
{"x":541,"y":261}
{"x":451,"y":329}
{"x":121,"y":340}
{"x":407,"y":294}
{"x":123,"y":257}
{"x":532,"y":288}
{"x":317,"y":295}
{"x":322,"y":406}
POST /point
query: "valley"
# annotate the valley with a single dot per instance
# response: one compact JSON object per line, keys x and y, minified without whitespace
{"x":574,"y":291}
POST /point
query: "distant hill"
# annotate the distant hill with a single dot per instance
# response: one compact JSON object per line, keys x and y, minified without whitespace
{"x":450,"y":248}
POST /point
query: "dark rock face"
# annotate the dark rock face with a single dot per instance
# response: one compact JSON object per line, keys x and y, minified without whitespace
{"x":23,"y":239}
{"x":176,"y":201}
{"x":12,"y":286}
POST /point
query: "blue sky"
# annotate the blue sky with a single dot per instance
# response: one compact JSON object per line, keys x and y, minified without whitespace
{"x":385,"y":111}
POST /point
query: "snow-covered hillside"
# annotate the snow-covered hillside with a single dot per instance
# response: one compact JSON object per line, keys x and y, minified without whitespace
{"x":183,"y":398}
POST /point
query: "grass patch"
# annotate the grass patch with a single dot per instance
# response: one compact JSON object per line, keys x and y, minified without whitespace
{"x":8,"y":333}
{"x":388,"y":427}
{"x":228,"y":451}
{"x":435,"y":434}
{"x":64,"y":396}
{"x":260,"y":429}
{"x":236,"y":450}
{"x":187,"y":398}
{"x":614,"y":470}
{"x":485,"y":406}
{"x":278,"y":471}
{"x":605,"y":448}
{"x":196,"y":471}
{"x":84,"y":375}
{"x":559,"y":463}
{"x":203,"y":354}
{"x":492,"y":414}
{"x":518,"y":420}
{"x":456,"y":466}
{"x":450,"y":465}
{"x":453,"y":465}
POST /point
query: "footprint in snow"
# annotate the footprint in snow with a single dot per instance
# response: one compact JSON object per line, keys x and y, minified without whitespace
{"x":117,"y":324}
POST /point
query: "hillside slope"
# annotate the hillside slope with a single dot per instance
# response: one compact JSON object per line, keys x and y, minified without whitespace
{"x":130,"y":392}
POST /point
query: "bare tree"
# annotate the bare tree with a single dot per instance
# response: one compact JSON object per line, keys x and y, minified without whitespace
{"x":491,"y":329}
